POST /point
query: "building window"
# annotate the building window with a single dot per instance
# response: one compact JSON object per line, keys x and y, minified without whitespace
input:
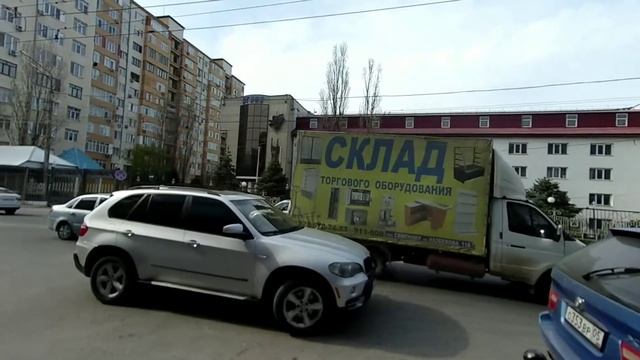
{"x":409,"y":122}
{"x":601,"y":149}
{"x":445,"y":122}
{"x":108,"y":80}
{"x":517,"y":148}
{"x":599,"y":174}
{"x":73,"y":113}
{"x":136,"y":62}
{"x":110,"y":63}
{"x":6,"y":95}
{"x":137,"y":47}
{"x":79,"y":48}
{"x":313,"y":123}
{"x":600,"y":199}
{"x":555,"y":172}
{"x":112,"y":47}
{"x":484,"y":122}
{"x":344,"y":124}
{"x":622,"y":119}
{"x":8,"y":68}
{"x":375,"y":123}
{"x":557,"y":149}
{"x":80,"y":26}
{"x":571,"y":120}
{"x":526,"y":121}
{"x":75,"y":91}
{"x":77,"y":70}
{"x":104,"y":130}
{"x":521,"y":171}
{"x":82,"y":5}
{"x":71,"y":135}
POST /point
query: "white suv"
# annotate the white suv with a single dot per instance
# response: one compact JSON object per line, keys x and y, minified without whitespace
{"x":222,"y":243}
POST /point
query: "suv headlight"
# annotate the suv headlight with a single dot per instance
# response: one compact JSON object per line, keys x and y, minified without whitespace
{"x":345,"y":269}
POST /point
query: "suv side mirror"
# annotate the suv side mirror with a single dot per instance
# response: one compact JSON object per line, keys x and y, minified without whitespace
{"x":235,"y":230}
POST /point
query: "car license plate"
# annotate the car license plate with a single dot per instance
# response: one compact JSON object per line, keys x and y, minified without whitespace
{"x":585,"y":327}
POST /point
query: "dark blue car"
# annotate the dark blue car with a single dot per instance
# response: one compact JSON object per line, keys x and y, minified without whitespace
{"x":594,"y":302}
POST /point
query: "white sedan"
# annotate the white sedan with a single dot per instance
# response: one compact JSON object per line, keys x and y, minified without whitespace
{"x":9,"y":201}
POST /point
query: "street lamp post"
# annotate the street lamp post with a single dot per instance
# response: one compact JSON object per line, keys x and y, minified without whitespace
{"x":551,"y":200}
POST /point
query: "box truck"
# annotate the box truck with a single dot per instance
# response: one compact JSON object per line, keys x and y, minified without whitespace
{"x":451,"y":204}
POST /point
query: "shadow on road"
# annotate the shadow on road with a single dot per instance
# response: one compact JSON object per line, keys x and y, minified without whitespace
{"x":401,"y":328}
{"x":202,"y":306}
{"x":386,"y":324}
{"x":488,"y":286}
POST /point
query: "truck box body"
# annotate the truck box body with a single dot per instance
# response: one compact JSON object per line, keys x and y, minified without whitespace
{"x":431,"y":193}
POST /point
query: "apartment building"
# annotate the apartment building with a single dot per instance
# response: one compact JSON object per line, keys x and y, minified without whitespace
{"x":591,"y":154}
{"x":122,"y":77}
{"x":53,"y":41}
{"x":129,"y":86}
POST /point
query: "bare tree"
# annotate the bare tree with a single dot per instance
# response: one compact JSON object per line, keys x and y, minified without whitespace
{"x":35,"y":90}
{"x":187,"y":135}
{"x":335,"y":97}
{"x":371,"y":99}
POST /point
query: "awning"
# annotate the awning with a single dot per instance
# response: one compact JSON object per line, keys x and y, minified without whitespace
{"x":80,"y":159}
{"x":30,"y":157}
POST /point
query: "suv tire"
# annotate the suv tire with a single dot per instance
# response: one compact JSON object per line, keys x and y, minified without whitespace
{"x":301,"y":307}
{"x":112,"y":280}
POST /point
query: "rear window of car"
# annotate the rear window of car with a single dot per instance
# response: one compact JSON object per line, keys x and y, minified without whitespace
{"x":159,"y":209}
{"x":622,"y":250}
{"x":122,"y":208}
{"x":85,"y":204}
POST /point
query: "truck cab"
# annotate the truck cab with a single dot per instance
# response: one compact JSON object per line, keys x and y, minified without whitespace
{"x":524,"y":243}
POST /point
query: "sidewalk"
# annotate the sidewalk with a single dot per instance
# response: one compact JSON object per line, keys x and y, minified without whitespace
{"x":34,"y":204}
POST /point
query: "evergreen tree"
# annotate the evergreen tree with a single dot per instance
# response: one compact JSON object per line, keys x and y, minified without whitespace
{"x":545,"y":188}
{"x":224,"y":176}
{"x":273,"y":182}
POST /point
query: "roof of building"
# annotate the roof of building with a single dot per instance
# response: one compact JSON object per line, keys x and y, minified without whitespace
{"x":80,"y":159}
{"x":172,"y":19}
{"x":30,"y":157}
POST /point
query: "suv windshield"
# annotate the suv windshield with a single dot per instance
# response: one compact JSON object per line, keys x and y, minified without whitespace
{"x":265,"y":218}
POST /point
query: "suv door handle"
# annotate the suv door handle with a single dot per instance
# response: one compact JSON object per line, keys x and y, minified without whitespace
{"x":129,"y":233}
{"x":194,"y":244}
{"x":517,"y":246}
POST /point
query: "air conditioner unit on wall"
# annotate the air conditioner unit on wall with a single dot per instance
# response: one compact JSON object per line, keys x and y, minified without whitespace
{"x":19,"y":27}
{"x":12,"y":52}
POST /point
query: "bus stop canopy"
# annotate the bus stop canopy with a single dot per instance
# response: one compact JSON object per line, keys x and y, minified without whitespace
{"x":31,"y":157}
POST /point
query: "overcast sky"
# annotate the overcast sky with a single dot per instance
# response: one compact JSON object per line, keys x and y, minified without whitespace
{"x":470,"y":44}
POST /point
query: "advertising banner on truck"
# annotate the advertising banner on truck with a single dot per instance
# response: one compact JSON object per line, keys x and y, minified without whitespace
{"x":418,"y":191}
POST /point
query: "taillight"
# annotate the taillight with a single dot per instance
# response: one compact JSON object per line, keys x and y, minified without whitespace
{"x":553,"y":299}
{"x":628,"y":352}
{"x":84,"y":229}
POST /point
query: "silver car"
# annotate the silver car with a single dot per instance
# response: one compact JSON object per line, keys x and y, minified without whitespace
{"x":9,"y":201}
{"x":228,"y":244}
{"x":66,"y":219}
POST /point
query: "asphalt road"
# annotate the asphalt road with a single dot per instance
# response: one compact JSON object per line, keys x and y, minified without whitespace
{"x":47,"y":311}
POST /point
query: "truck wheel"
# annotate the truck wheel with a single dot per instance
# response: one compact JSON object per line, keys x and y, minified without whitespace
{"x":112,"y":280}
{"x":380,"y":260}
{"x":542,"y":287}
{"x":301,"y":307}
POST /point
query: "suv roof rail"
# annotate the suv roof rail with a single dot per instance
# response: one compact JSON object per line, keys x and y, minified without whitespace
{"x":185,"y":188}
